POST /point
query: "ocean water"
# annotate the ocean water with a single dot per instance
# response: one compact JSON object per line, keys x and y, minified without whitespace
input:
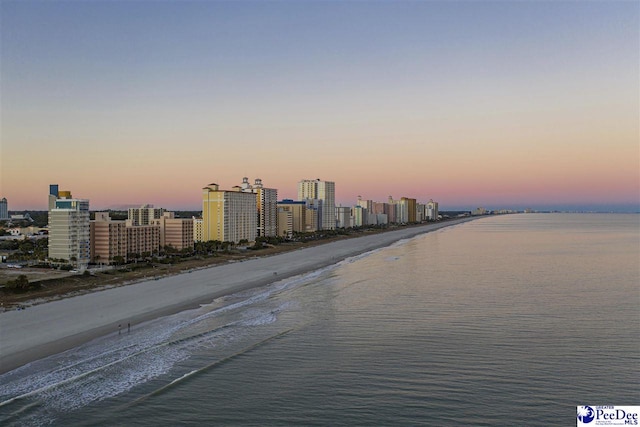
{"x":503,"y":321}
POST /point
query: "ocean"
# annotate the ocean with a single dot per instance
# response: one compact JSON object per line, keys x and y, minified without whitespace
{"x":503,"y":321}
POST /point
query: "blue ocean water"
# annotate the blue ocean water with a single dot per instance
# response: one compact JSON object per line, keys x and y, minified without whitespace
{"x":509,"y":320}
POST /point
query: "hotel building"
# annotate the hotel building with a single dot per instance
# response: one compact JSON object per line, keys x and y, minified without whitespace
{"x":324,"y":191}
{"x":142,"y":240}
{"x":108,"y":239}
{"x":228,"y":216}
{"x":285,"y":222}
{"x":266,"y":204}
{"x":69,"y":233}
{"x":175,"y":232}
{"x":343,"y":217}
{"x":298,"y":211}
{"x":144,"y":214}
{"x":432,"y":210}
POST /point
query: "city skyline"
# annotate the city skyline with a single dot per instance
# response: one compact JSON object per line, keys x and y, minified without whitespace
{"x":495,"y":104}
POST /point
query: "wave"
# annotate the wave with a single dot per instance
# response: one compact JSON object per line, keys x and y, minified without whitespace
{"x":115,"y":364}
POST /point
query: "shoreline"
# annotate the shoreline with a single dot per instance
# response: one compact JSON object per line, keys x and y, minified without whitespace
{"x":56,"y":326}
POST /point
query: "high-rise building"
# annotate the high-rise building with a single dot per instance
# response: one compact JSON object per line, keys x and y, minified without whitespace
{"x":285,"y":222}
{"x":144,"y":214}
{"x":197,"y":229}
{"x":432,"y":210}
{"x":343,"y":217}
{"x":325,"y":192}
{"x":358,"y":213}
{"x":267,"y":206}
{"x":228,"y":216}
{"x":108,"y":239}
{"x":4,"y":209}
{"x":298,"y":210}
{"x":69,"y":231}
{"x":411,"y":208}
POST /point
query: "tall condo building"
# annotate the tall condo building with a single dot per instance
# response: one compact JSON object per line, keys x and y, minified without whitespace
{"x":409,"y":207}
{"x":144,"y":215}
{"x":295,"y":213}
{"x":228,"y":216}
{"x":69,"y":230}
{"x":267,"y":206}
{"x":432,"y":210}
{"x":4,"y":209}
{"x":325,"y":192}
{"x":343,"y":217}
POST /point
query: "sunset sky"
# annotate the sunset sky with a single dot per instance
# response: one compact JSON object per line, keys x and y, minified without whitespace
{"x":494,"y":104}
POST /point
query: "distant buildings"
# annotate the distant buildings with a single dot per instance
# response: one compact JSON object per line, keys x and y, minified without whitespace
{"x":343,"y":217}
{"x":479,"y":211}
{"x":228,"y":216}
{"x":292,"y":217}
{"x":4,"y":209}
{"x":432,"y":210}
{"x":120,"y":240}
{"x":266,"y":204}
{"x":325,"y":193}
{"x":144,"y":215}
{"x":240,"y":214}
{"x":69,"y":230}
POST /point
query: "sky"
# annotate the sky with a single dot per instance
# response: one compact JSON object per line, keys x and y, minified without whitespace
{"x":480,"y":103}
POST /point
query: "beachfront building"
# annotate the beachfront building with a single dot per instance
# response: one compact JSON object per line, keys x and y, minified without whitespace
{"x":298,"y":211}
{"x":228,"y":216}
{"x":267,"y":206}
{"x":142,"y":240}
{"x":197,"y":229}
{"x":144,"y":214}
{"x":343,"y":217}
{"x":313,"y":215}
{"x":285,"y":222}
{"x":175,"y":232}
{"x":69,"y":230}
{"x":432,"y":210}
{"x":4,"y":209}
{"x":409,"y":209}
{"x":359,"y":215}
{"x":114,"y":241}
{"x":390,"y":210}
{"x":323,"y":191}
{"x":479,"y":211}
{"x":108,"y":239}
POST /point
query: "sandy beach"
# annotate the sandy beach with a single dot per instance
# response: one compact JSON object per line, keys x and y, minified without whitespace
{"x":53,"y":327}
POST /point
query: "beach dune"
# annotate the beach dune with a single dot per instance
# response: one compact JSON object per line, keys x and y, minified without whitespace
{"x":56,"y":326}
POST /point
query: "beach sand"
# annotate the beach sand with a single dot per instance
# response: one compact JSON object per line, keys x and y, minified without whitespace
{"x":50,"y":328}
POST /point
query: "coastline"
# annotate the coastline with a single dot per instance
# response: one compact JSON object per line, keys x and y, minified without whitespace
{"x":56,"y":326}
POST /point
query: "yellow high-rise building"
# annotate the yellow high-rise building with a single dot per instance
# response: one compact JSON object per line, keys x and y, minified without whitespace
{"x":228,"y":216}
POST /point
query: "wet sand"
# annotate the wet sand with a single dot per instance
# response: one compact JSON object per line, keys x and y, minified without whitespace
{"x":50,"y":328}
